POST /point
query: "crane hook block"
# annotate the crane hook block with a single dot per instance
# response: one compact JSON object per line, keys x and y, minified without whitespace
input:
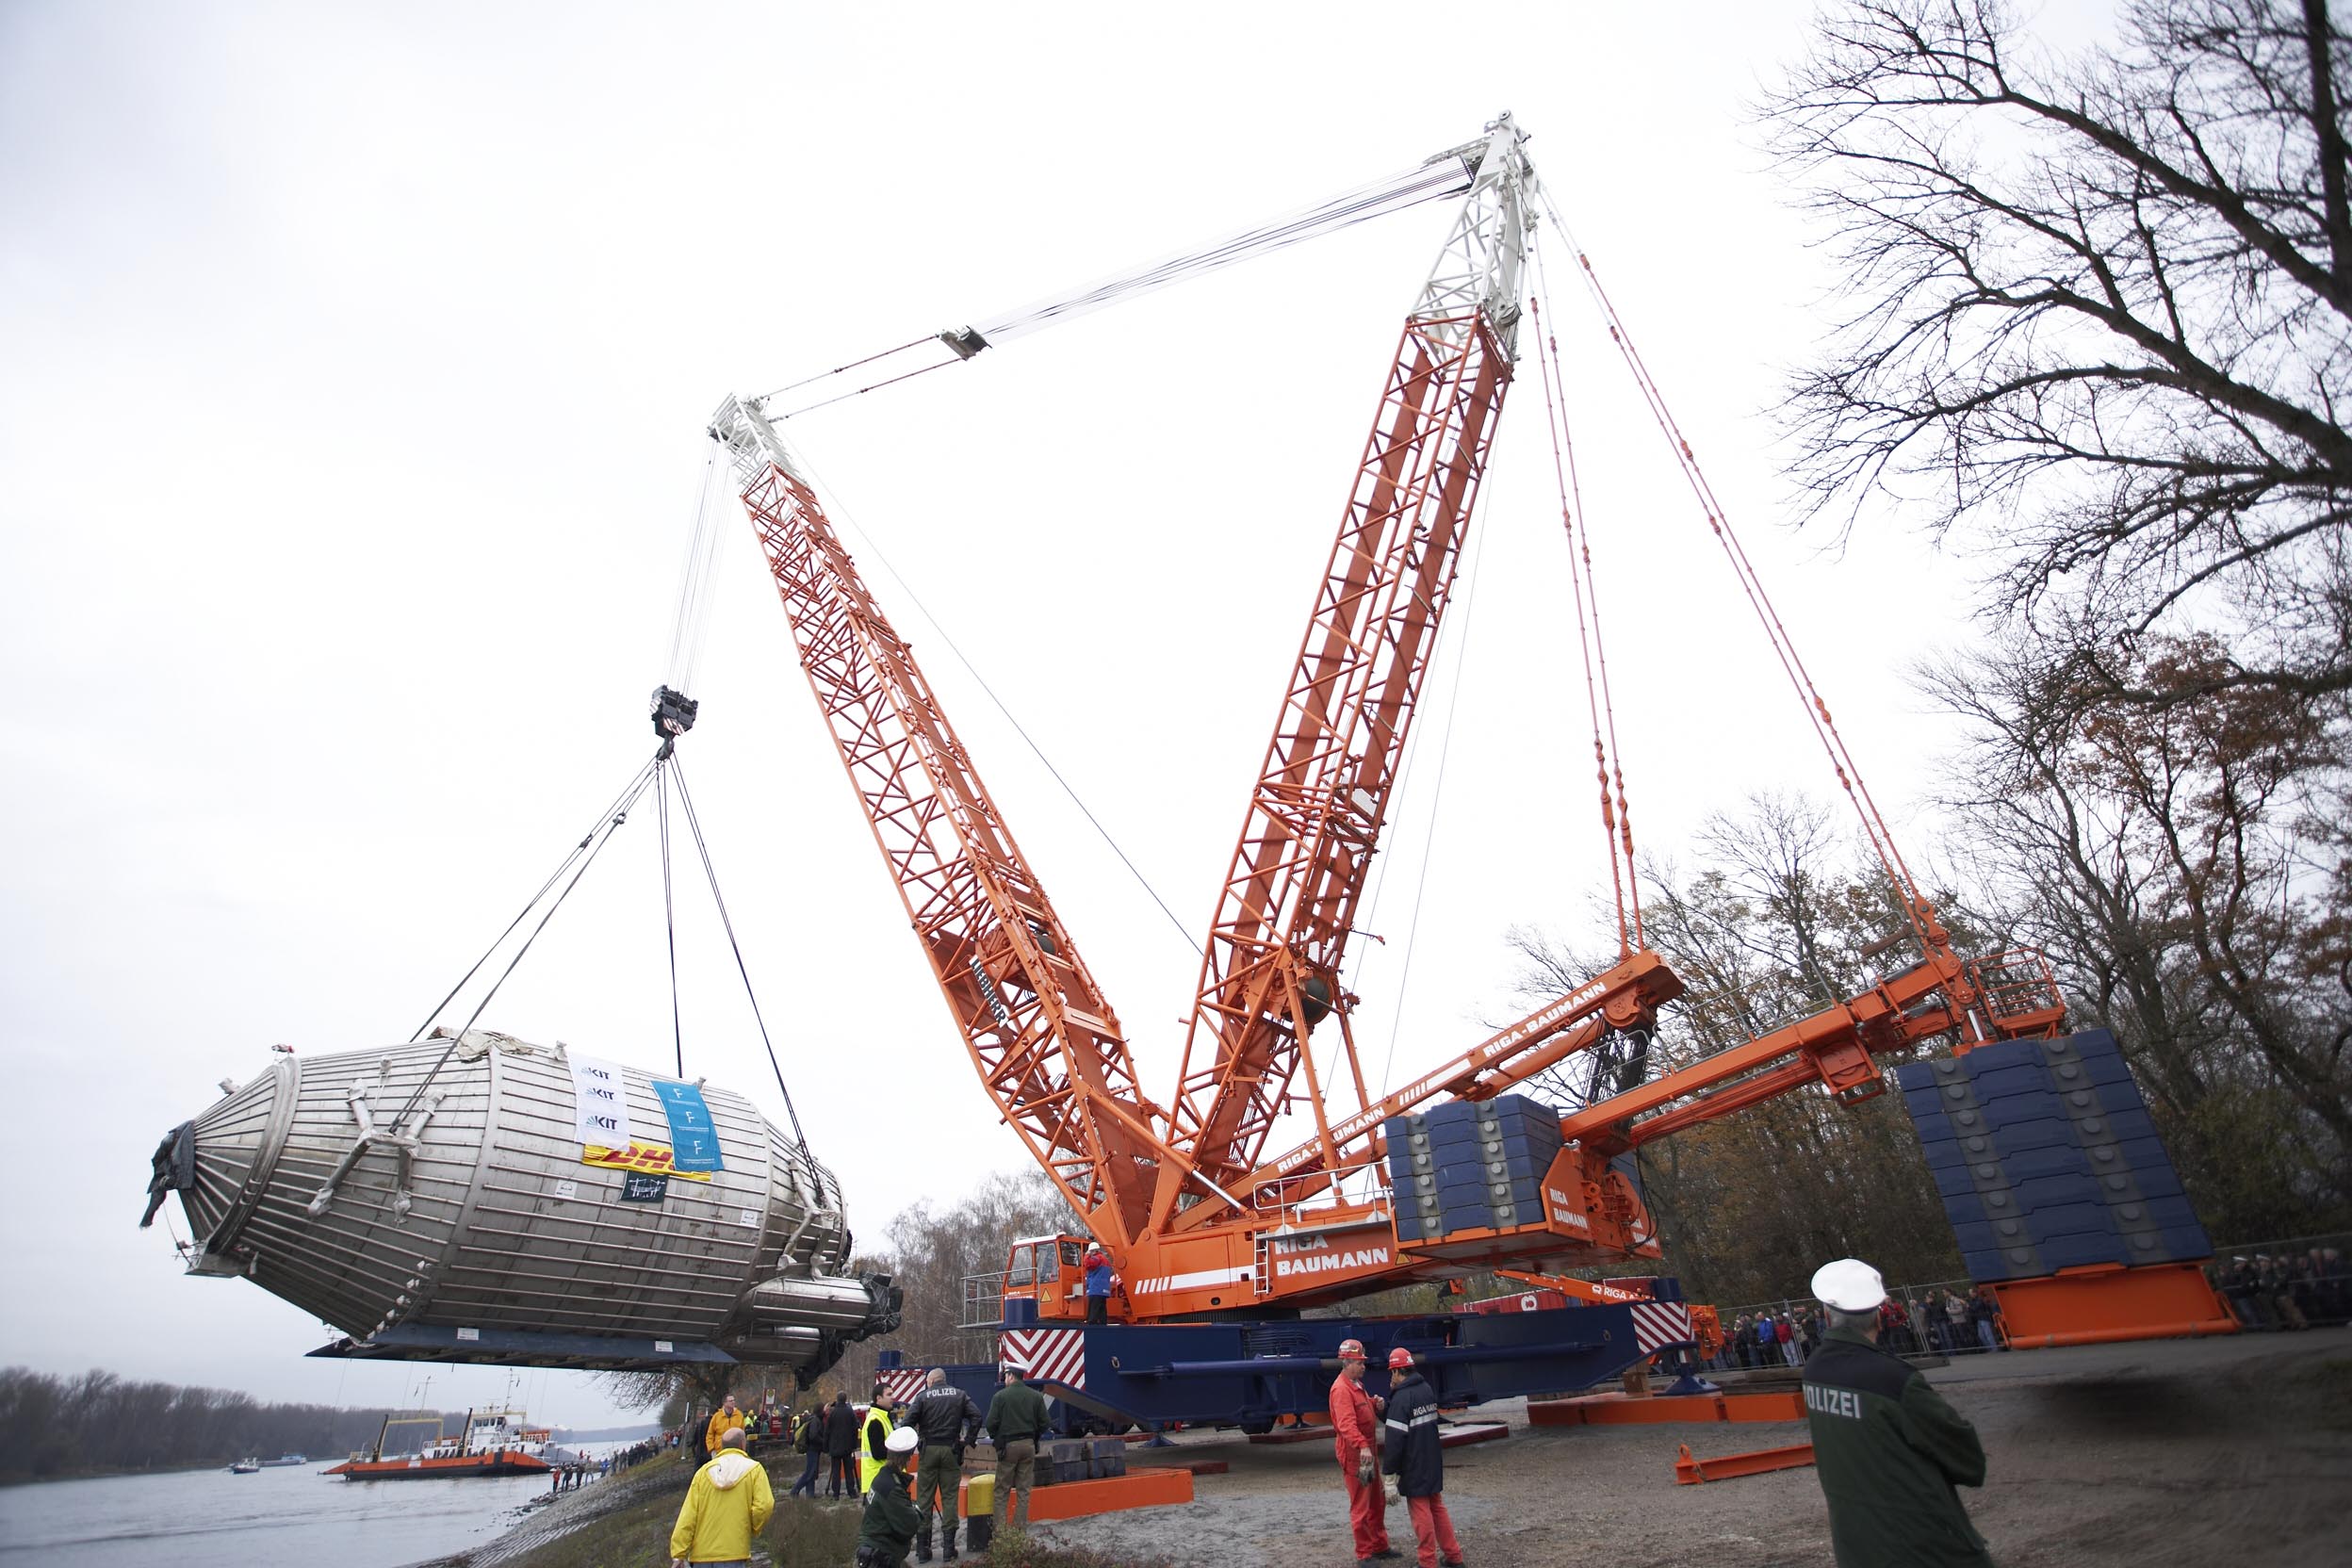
{"x":673,"y":713}
{"x":963,"y":341}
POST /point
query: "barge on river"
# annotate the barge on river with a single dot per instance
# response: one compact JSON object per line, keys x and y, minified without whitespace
{"x":491,"y":1443}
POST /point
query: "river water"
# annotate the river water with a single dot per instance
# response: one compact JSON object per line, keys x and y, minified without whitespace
{"x":296,"y":1517}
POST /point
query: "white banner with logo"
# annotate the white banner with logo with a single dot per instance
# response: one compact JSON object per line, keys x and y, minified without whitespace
{"x":600,"y":1102}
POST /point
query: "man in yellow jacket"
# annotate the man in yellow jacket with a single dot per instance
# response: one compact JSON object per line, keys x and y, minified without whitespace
{"x":725,"y":1419}
{"x":727,"y":1505}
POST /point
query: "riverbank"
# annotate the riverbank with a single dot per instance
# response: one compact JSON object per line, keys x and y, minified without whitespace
{"x":621,"y":1525}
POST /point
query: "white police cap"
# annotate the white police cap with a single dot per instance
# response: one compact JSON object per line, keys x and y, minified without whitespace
{"x":902,"y":1440}
{"x":1849,"y":1284}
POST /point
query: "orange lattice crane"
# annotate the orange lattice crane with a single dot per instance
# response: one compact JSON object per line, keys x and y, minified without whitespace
{"x":1198,"y":1215}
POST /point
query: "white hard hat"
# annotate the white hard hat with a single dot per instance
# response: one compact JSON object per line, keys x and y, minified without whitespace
{"x":902,"y":1440}
{"x":1849,"y":1284}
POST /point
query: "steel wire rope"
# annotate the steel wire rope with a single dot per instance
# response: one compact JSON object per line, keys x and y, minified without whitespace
{"x":1817,"y":709}
{"x":669,"y":908}
{"x":629,"y":791}
{"x":689,"y":622}
{"x":709,"y":871}
{"x":1439,"y":177}
{"x":835,"y":507}
{"x":1437,"y":796}
{"x":1555,"y":420}
{"x":608,"y":827}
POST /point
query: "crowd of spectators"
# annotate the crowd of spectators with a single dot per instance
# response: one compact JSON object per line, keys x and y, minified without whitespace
{"x":2287,"y":1290}
{"x":1937,"y":1319}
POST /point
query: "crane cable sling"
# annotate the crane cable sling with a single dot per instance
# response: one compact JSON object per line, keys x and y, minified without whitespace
{"x":693,"y":826}
{"x":1817,"y":709}
{"x":1440,"y":176}
{"x":669,"y":906}
{"x":593,"y":844}
{"x":1571,"y":497}
{"x":619,"y":808}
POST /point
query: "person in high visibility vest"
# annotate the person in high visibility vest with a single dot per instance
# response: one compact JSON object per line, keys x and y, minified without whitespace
{"x":873,"y":1450}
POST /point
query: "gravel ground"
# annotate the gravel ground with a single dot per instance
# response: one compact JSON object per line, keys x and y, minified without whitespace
{"x":2234,"y":1452}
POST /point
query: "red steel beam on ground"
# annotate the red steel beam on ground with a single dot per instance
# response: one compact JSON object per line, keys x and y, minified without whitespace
{"x":1691,"y":1472}
{"x":1137,"y":1487}
{"x":1601,"y":1410}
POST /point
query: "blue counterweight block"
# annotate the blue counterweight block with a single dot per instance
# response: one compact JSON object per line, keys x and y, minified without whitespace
{"x":2000,"y":1055}
{"x":2078,"y":1249}
{"x":1941,"y":1151}
{"x":2033,"y":1165}
{"x":2020,"y":1135}
{"x":2042,"y":1194}
{"x":2020,"y":1078}
{"x":2067,"y":1219}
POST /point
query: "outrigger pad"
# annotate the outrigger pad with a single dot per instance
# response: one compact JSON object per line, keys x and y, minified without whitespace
{"x":521,"y":1347}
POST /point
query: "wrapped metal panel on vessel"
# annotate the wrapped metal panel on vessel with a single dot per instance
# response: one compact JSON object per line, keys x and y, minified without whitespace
{"x":2045,"y":1158}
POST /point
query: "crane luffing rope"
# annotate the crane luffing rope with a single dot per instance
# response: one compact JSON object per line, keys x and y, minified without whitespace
{"x":835,"y":507}
{"x":1440,"y":176}
{"x":1617,"y":825}
{"x":1784,"y":648}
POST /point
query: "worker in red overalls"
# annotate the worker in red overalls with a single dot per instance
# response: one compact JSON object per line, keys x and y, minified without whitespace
{"x":1356,"y":1443}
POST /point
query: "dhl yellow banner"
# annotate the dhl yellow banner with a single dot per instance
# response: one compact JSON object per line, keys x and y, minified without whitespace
{"x":652,"y":1158}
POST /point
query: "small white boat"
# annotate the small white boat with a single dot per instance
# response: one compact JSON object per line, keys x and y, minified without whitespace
{"x":246,"y":1467}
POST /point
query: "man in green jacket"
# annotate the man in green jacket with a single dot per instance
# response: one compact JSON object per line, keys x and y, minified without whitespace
{"x":1890,"y":1451}
{"x":1015,"y":1421}
{"x":888,"y":1528}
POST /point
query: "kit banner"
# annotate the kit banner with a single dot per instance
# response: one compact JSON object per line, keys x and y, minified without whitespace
{"x":695,"y":1140}
{"x":638,"y":1154}
{"x":599,"y":1101}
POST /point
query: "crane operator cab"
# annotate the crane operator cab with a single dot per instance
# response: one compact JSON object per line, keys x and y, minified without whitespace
{"x":1050,"y":1272}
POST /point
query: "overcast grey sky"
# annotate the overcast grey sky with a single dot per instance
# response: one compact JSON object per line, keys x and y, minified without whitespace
{"x":353,"y":366}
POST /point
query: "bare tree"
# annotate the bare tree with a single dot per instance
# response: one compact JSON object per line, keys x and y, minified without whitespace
{"x":2102,"y":319}
{"x":2186,"y":868}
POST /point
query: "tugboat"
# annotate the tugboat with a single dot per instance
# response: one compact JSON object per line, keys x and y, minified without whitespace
{"x":491,"y":1443}
{"x":246,"y":1467}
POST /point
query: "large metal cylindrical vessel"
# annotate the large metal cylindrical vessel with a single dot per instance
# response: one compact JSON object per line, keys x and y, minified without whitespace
{"x":421,"y":1186}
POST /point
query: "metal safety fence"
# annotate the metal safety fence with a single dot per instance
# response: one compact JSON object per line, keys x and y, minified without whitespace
{"x":2276,"y":1285}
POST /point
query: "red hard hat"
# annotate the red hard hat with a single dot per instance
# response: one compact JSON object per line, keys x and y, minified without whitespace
{"x":1351,"y":1350}
{"x":1399,"y":1359}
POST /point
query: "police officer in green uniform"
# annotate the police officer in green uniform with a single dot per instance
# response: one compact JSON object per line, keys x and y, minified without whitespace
{"x":1890,"y":1451}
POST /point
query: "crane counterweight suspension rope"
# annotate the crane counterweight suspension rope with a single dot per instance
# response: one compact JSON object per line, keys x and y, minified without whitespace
{"x":1784,"y":648}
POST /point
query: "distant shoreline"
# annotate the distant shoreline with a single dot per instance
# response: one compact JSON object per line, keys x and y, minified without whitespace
{"x":111,"y":1474}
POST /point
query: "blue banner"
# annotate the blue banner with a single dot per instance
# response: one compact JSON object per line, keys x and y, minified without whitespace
{"x":694,"y":1140}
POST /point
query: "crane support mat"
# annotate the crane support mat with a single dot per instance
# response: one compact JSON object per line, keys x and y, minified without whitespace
{"x":1137,"y":1487}
{"x":1724,"y":1467}
{"x":1600,"y":1409}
